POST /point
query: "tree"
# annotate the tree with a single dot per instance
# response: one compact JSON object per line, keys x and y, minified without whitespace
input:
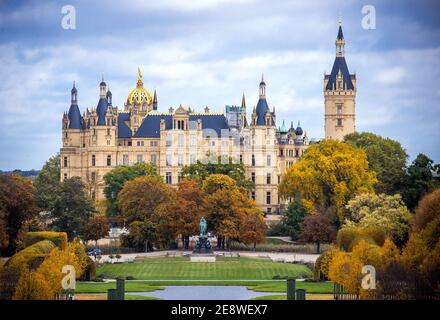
{"x":48,"y":182}
{"x":419,"y":180}
{"x":139,"y":198}
{"x":71,"y":209}
{"x":225,"y":204}
{"x":115,"y":179}
{"x":18,"y":206}
{"x":143,"y":234}
{"x":329,"y":174}
{"x":181,"y":214}
{"x":386,"y":157}
{"x":427,"y":210}
{"x":213,"y":164}
{"x":96,"y":228}
{"x":387,"y":213}
{"x":292,"y":218}
{"x":318,"y":228}
{"x":253,"y":227}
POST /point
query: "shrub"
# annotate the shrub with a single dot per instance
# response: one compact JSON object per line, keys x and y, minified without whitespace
{"x":347,"y":237}
{"x":322,"y":264}
{"x":427,"y":210}
{"x":268,"y":247}
{"x":58,"y":238}
{"x":89,"y":271}
{"x":31,"y":253}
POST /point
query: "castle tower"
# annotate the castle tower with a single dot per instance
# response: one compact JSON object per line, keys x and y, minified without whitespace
{"x":339,"y":95}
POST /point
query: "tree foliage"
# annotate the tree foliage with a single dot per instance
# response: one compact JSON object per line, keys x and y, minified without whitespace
{"x":213,"y":164}
{"x":116,"y":178}
{"x":71,"y":208}
{"x":419,"y":180}
{"x":384,"y":212}
{"x":140,"y":197}
{"x":329,"y":174}
{"x":385,"y":156}
{"x":48,"y":182}
{"x":427,"y":210}
{"x":292,"y":218}
{"x":318,"y":228}
{"x":97,"y":227}
{"x":18,"y":206}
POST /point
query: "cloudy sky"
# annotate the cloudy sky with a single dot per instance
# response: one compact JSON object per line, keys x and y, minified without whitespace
{"x":208,"y":52}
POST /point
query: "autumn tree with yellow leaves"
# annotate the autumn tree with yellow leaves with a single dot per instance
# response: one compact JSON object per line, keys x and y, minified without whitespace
{"x":329,"y":174}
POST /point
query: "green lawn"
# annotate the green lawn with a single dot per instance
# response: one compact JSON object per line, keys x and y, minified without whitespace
{"x":310,"y":287}
{"x":180,"y":268}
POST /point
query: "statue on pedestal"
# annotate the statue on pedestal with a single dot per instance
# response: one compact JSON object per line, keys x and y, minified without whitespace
{"x":203,"y":245}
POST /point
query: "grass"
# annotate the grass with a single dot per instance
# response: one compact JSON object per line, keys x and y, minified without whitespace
{"x":284,"y":297}
{"x":310,"y":287}
{"x":130,"y":286}
{"x":225,"y":268}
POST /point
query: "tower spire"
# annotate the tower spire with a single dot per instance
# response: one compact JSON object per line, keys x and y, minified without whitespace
{"x":340,"y":42}
{"x":262,"y":88}
{"x":243,"y":101}
{"x":155,"y":100}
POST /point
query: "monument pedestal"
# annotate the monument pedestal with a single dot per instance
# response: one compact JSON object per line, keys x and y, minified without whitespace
{"x":202,"y":257}
{"x":203,"y":250}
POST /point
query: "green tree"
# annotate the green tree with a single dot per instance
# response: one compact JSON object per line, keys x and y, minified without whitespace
{"x":385,"y":156}
{"x":115,"y":179}
{"x":292,"y":218}
{"x":387,"y":213}
{"x":71,"y":208}
{"x":329,"y":174}
{"x":213,"y":164}
{"x":419,"y":180}
{"x":18,"y":206}
{"x":48,"y":182}
{"x":143,"y":235}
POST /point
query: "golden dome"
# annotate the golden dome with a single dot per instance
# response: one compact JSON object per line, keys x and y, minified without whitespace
{"x":139,"y":95}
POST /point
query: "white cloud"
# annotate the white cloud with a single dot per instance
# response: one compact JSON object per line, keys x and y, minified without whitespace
{"x":391,"y":75}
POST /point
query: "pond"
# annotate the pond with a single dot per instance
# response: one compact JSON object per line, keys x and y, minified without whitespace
{"x":205,"y":293}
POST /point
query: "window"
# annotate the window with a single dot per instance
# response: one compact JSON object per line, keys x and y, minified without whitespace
{"x":192,"y":140}
{"x":65,"y":176}
{"x":296,"y":153}
{"x":139,"y":158}
{"x":253,"y":177}
{"x":339,"y":122}
{"x":180,"y":160}
{"x":109,"y":160}
{"x":65,"y":162}
{"x":93,"y":176}
{"x":253,"y":195}
{"x":339,"y":109}
{"x":268,"y":197}
{"x":181,"y":140}
{"x":253,"y":160}
{"x":169,"y":159}
{"x":153,"y":159}
{"x":241,"y":158}
{"x":269,"y":160}
{"x":153,"y":143}
{"x":268,"y":178}
{"x":192,"y":158}
{"x":269,"y":210}
{"x":108,"y":132}
{"x":140,"y":143}
{"x":168,"y":179}
{"x":125,"y":159}
{"x":169,"y":141}
{"x":211,"y":143}
{"x":180,"y":177}
{"x":93,"y":160}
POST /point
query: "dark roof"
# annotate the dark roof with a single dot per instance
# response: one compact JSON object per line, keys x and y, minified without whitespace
{"x":123,"y":130}
{"x":340,"y":64}
{"x":101,"y":110}
{"x":150,"y":127}
{"x":74,"y":117}
{"x":340,"y":34}
{"x":261,"y":110}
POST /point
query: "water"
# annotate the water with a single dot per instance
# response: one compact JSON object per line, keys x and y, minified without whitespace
{"x":205,"y":293}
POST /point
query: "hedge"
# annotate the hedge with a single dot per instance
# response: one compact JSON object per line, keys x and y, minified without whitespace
{"x":58,"y":238}
{"x":32,"y":254}
{"x":348,"y":237}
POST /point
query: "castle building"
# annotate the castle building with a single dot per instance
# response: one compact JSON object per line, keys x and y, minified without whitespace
{"x":104,"y":137}
{"x":339,"y":95}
